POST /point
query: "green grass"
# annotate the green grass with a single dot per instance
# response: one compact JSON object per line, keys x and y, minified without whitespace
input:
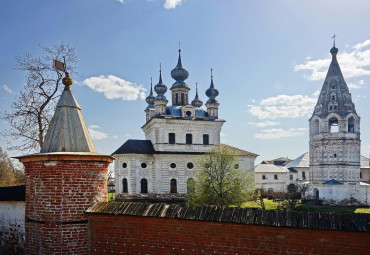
{"x":111,"y":196}
{"x":270,"y":205}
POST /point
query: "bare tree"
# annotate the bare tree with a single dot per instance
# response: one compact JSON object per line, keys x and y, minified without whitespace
{"x":218,"y":182}
{"x":10,"y":173}
{"x":295,"y":193}
{"x":33,"y":108}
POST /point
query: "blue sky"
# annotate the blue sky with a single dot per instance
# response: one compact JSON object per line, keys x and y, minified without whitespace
{"x":269,"y":60}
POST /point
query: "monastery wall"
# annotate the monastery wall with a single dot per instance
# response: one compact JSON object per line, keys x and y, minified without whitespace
{"x":133,"y":228}
{"x":12,"y":230}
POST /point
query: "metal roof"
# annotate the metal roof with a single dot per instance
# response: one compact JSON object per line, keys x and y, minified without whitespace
{"x":239,"y":152}
{"x":333,"y":182}
{"x":301,"y":161}
{"x":68,"y":131}
{"x":13,"y":193}
{"x":270,"y":168}
{"x":136,"y":147}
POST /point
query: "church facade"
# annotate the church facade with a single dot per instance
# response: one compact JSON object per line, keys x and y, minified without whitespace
{"x":175,"y":135}
{"x":335,"y":142}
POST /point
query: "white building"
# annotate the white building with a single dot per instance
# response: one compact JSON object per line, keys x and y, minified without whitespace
{"x":335,"y":142}
{"x":271,"y":178}
{"x":175,"y":136}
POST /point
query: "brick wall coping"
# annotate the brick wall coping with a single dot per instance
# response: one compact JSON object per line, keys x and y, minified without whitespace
{"x":356,"y":222}
{"x":78,"y":156}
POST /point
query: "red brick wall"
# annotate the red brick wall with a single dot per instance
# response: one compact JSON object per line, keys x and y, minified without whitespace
{"x":57,"y":194}
{"x":121,"y":234}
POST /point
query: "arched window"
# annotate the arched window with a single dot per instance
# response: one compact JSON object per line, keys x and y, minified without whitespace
{"x":144,"y":186}
{"x":333,"y":125}
{"x":316,"y":194}
{"x":351,"y":125}
{"x":173,"y":186}
{"x":190,"y":186}
{"x":124,"y":186}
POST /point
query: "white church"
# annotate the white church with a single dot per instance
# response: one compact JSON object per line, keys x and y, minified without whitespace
{"x":175,"y":135}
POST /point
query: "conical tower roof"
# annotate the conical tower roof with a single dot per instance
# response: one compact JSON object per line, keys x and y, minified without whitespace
{"x":68,"y":131}
{"x":334,"y":96}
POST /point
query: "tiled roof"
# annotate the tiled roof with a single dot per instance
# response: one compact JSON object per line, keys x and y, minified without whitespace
{"x":270,"y":168}
{"x":301,"y":161}
{"x":239,"y":152}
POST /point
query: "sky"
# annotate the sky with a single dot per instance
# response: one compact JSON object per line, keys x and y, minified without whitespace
{"x":269,"y":60}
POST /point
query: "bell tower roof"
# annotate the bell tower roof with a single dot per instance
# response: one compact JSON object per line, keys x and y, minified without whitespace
{"x":334,"y":96}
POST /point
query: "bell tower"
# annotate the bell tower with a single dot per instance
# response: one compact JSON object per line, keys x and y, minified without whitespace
{"x":334,"y":132}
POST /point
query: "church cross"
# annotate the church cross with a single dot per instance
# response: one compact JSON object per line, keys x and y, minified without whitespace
{"x":333,"y":37}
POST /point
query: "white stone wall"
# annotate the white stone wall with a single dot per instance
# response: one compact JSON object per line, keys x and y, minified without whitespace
{"x":159,"y":171}
{"x":278,"y":185}
{"x":157,"y":130}
{"x":12,"y":227}
{"x":341,"y":194}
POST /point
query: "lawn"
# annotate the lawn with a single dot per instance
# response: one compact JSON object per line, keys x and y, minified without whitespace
{"x":111,"y":196}
{"x":270,"y":205}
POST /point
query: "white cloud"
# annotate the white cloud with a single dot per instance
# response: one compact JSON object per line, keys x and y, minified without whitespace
{"x":7,"y":89}
{"x":114,"y":87}
{"x":95,"y":134}
{"x":354,"y":63}
{"x":121,"y":1}
{"x":171,"y":4}
{"x":264,"y":124}
{"x":358,"y":85}
{"x":115,"y":136}
{"x":283,"y":106}
{"x":276,"y":133}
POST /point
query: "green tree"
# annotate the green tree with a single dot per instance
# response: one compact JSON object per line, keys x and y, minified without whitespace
{"x":33,"y":108}
{"x":218,"y":182}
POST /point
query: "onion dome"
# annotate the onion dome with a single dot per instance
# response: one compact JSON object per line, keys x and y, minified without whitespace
{"x":150,"y":99}
{"x":179,"y":73}
{"x":334,"y":50}
{"x":160,"y":88}
{"x":212,"y":92}
{"x":196,"y":102}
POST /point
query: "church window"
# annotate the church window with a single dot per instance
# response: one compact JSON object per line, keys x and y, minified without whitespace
{"x":189,"y":138}
{"x":124,"y":186}
{"x":275,"y":176}
{"x":182,"y":99}
{"x":263,"y":177}
{"x":177,"y":99}
{"x":351,"y":125}
{"x":144,"y":186}
{"x":206,"y":139}
{"x":173,"y":165}
{"x":236,"y":166}
{"x":333,"y":87}
{"x":332,"y":97}
{"x":173,"y":186}
{"x":190,"y":165}
{"x":188,"y":113}
{"x":124,"y":165}
{"x":335,"y":107}
{"x":333,"y":125}
{"x":190,"y":185}
{"x":304,"y":175}
{"x":171,"y":138}
{"x":360,"y":175}
{"x":291,"y":177}
{"x":335,"y":155}
{"x":143,"y":165}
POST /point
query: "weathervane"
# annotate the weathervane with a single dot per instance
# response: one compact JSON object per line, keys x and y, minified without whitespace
{"x":333,"y":37}
{"x":179,"y":47}
{"x":61,"y":66}
{"x":211,"y":72}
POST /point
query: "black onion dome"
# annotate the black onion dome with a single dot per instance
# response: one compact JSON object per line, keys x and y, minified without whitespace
{"x":212,"y":92}
{"x":160,"y":88}
{"x":179,"y":73}
{"x":197,"y":102}
{"x":150,"y":99}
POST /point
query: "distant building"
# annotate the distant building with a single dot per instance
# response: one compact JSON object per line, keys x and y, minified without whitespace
{"x":282,"y":161}
{"x":271,"y":178}
{"x":175,"y":135}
